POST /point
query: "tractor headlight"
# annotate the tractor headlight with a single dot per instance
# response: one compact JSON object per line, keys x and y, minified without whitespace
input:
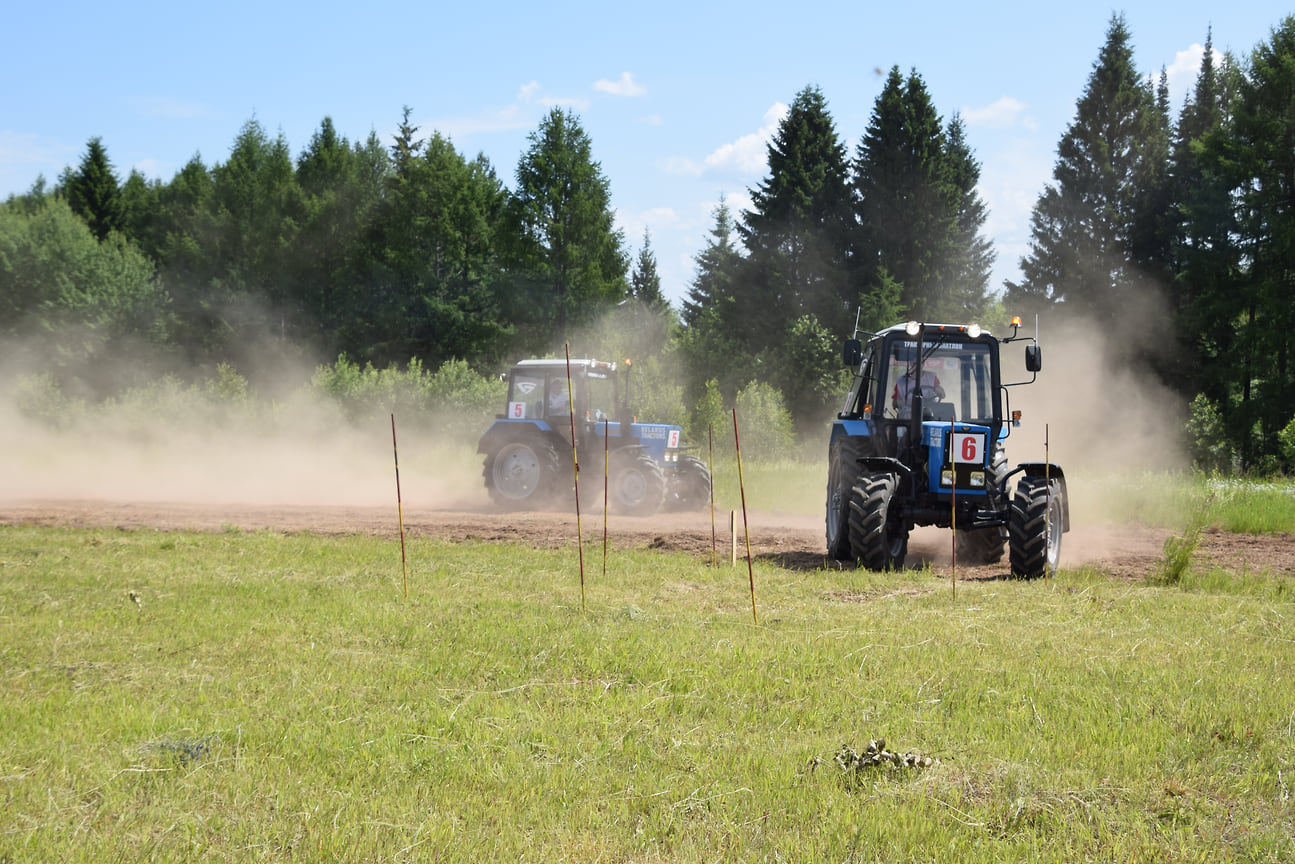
{"x":912,"y":327}
{"x":974,"y":331}
{"x":946,"y":477}
{"x":977,"y":479}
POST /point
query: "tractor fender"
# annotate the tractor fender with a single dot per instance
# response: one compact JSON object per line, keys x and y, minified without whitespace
{"x":1050,"y":470}
{"x":885,"y":463}
{"x":511,"y":430}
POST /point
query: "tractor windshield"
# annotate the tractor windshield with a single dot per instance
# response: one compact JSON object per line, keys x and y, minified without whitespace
{"x":602,"y":397}
{"x":955,"y":379}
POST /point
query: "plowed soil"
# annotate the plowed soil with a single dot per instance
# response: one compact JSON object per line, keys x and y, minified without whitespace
{"x":789,"y":540}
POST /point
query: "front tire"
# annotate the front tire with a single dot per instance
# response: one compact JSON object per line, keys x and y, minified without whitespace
{"x":842,"y":468}
{"x":878,"y":536}
{"x":1035,"y":528}
{"x":690,"y":485}
{"x":637,"y":484}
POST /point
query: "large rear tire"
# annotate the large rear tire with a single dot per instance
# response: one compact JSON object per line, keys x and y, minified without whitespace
{"x":842,"y":471}
{"x":522,"y":474}
{"x":1035,"y":529}
{"x":637,"y":484}
{"x":689,"y":487}
{"x":878,"y":536}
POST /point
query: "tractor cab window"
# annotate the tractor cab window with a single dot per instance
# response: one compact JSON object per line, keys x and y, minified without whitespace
{"x":556,"y":400}
{"x":602,"y":397}
{"x":526,"y":401}
{"x":954,"y":378}
{"x":862,"y":399}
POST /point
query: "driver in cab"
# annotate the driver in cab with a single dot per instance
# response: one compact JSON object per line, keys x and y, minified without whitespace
{"x":901,"y":398}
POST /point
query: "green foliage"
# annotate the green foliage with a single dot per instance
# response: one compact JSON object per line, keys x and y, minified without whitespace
{"x":93,"y":193}
{"x":40,"y":398}
{"x":569,"y":257}
{"x":708,"y":417}
{"x":1180,"y":548}
{"x":1207,"y":436}
{"x":454,"y":400}
{"x":412,"y":252}
{"x":919,"y":215}
{"x":798,"y":232}
{"x":1286,"y":439}
{"x":763,"y":422}
{"x":808,"y":369}
{"x":76,"y":294}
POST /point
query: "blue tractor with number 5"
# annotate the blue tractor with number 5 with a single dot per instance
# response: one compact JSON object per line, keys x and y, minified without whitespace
{"x":528,"y":448}
{"x":920,"y":441}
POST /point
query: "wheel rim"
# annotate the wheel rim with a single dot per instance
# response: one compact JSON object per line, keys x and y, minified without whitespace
{"x":631,"y":486}
{"x":516,"y":472}
{"x":835,"y":501}
{"x":1053,"y":538}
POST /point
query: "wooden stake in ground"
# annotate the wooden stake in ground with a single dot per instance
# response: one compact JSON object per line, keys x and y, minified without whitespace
{"x":575,"y":472}
{"x":746,"y":526}
{"x":400,"y":507}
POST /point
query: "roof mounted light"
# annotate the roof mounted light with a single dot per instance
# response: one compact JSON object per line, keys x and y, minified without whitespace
{"x":912,"y":327}
{"x":974,"y":331}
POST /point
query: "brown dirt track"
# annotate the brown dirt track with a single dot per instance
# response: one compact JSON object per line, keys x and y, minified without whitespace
{"x":789,"y":540}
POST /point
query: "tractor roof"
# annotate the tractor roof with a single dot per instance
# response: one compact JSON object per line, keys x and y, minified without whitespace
{"x":938,"y":329}
{"x":557,"y":363}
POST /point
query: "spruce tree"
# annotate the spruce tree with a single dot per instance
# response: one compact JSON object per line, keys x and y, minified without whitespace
{"x":568,"y":261}
{"x":93,"y":192}
{"x":797,"y":233}
{"x":1087,"y":224}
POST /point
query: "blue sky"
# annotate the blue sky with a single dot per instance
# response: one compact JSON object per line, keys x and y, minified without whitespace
{"x":679,"y":99}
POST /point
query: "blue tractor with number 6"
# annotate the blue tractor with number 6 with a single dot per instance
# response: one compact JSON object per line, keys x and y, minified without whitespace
{"x":528,"y":448}
{"x":920,"y":441}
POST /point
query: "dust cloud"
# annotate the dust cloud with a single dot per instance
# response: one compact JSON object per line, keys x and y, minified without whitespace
{"x":1098,"y":409}
{"x":300,"y":450}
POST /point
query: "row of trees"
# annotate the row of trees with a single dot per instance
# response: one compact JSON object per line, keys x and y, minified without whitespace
{"x":411,"y":251}
{"x":1198,"y":215}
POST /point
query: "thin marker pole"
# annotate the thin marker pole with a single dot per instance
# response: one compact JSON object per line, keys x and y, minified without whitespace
{"x":606,"y":451}
{"x":1047,"y":501}
{"x":746,"y":526}
{"x":710,"y":466}
{"x":400,"y":507}
{"x":953,"y":522}
{"x":575,"y":472}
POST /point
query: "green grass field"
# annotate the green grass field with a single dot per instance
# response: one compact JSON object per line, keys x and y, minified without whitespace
{"x":252,"y":696}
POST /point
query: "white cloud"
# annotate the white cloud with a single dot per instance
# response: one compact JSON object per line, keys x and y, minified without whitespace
{"x":1007,"y":111}
{"x":624,"y":86}
{"x":528,"y":91}
{"x":520,"y":114}
{"x":680,"y":166}
{"x":1181,"y":74}
{"x":748,"y":154}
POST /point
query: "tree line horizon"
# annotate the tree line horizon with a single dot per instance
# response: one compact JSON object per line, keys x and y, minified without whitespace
{"x":409,"y":251}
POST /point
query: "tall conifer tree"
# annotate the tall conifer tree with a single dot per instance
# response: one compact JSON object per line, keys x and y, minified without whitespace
{"x":1084,"y":226}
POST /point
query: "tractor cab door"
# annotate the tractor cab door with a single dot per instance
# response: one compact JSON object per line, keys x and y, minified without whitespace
{"x":526,"y":395}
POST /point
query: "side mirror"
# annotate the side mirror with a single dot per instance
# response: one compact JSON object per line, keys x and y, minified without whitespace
{"x":1033,"y":358}
{"x":852,"y":354}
